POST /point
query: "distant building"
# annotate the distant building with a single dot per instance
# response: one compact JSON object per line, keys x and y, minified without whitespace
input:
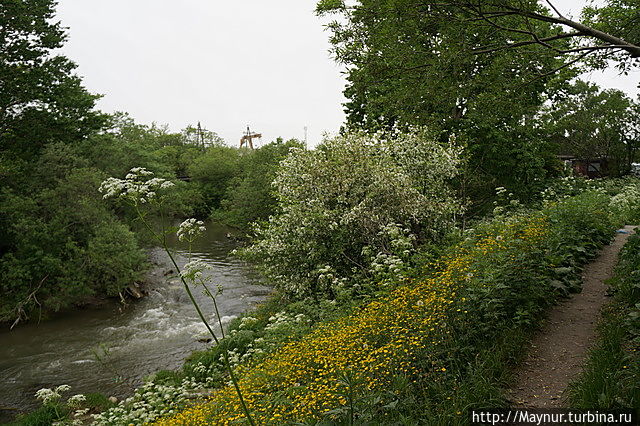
{"x":592,"y":168}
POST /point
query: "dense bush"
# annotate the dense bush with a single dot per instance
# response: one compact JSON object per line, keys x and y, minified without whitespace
{"x":625,"y":205}
{"x":114,"y":258}
{"x":212,"y":173}
{"x":569,"y":186}
{"x":232,"y":186}
{"x":249,"y":196}
{"x":356,"y":204}
{"x":55,"y":243}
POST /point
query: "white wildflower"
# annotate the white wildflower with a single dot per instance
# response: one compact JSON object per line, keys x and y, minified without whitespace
{"x":141,"y":171}
{"x":137,"y":186}
{"x":189,"y":229}
{"x":76,"y":399}
{"x":47,"y":395}
{"x":62,"y":388}
{"x":192,"y":271}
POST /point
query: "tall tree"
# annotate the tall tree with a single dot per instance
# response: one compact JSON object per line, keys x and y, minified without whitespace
{"x":412,"y":62}
{"x":59,"y":242}
{"x":41,"y":100}
{"x":595,"y":124}
{"x":611,"y":28}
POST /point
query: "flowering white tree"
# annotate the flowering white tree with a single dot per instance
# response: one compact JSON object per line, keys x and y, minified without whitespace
{"x":356,"y":204}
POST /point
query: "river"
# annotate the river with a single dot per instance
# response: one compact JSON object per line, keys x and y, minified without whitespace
{"x":154,"y":333}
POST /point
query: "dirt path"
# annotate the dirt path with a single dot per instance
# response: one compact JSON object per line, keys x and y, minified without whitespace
{"x":559,"y":350}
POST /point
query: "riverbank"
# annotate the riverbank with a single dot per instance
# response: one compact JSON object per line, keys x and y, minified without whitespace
{"x":429,"y":348}
{"x":443,"y":336}
{"x":154,"y":333}
{"x":284,"y":337}
{"x":130,"y":294}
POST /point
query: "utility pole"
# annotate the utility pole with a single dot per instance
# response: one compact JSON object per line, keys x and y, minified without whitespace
{"x":305,"y":137}
{"x":200,"y":137}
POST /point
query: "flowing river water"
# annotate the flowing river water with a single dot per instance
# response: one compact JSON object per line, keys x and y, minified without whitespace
{"x":157,"y":332}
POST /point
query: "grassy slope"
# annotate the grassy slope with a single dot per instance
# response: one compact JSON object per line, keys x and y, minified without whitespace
{"x":431,"y":349}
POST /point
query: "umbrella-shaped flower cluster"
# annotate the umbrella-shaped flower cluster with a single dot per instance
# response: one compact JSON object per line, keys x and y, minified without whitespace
{"x":138,"y":186}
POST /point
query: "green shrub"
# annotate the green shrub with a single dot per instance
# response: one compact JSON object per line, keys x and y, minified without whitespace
{"x":625,"y":206}
{"x":356,"y":205}
{"x":43,"y":416}
{"x":62,"y":244}
{"x":115,"y":260}
{"x":249,"y":196}
{"x":212,"y":173}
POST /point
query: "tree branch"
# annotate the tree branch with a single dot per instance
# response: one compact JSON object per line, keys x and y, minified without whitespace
{"x":526,"y":43}
{"x":555,"y":70}
{"x":632,"y":49}
{"x":501,"y":9}
{"x":593,"y":48}
{"x":555,"y":9}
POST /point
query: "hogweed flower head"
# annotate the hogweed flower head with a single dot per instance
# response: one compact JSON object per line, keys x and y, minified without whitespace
{"x":63,"y":388}
{"x":138,"y":186}
{"x":192,"y":271}
{"x":190,"y":229}
{"x":47,"y":395}
{"x":76,"y":400}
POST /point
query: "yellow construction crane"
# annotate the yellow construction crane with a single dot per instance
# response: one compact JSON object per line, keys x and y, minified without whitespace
{"x":248,"y":137}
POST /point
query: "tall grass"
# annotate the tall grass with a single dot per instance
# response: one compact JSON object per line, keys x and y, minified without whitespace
{"x":610,"y":378}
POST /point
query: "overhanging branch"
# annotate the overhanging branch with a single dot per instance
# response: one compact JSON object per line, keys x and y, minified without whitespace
{"x":542,"y":41}
{"x":490,"y":11}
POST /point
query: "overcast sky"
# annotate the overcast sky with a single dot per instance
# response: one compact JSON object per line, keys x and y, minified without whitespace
{"x":226,"y":64}
{"x":223,"y":63}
